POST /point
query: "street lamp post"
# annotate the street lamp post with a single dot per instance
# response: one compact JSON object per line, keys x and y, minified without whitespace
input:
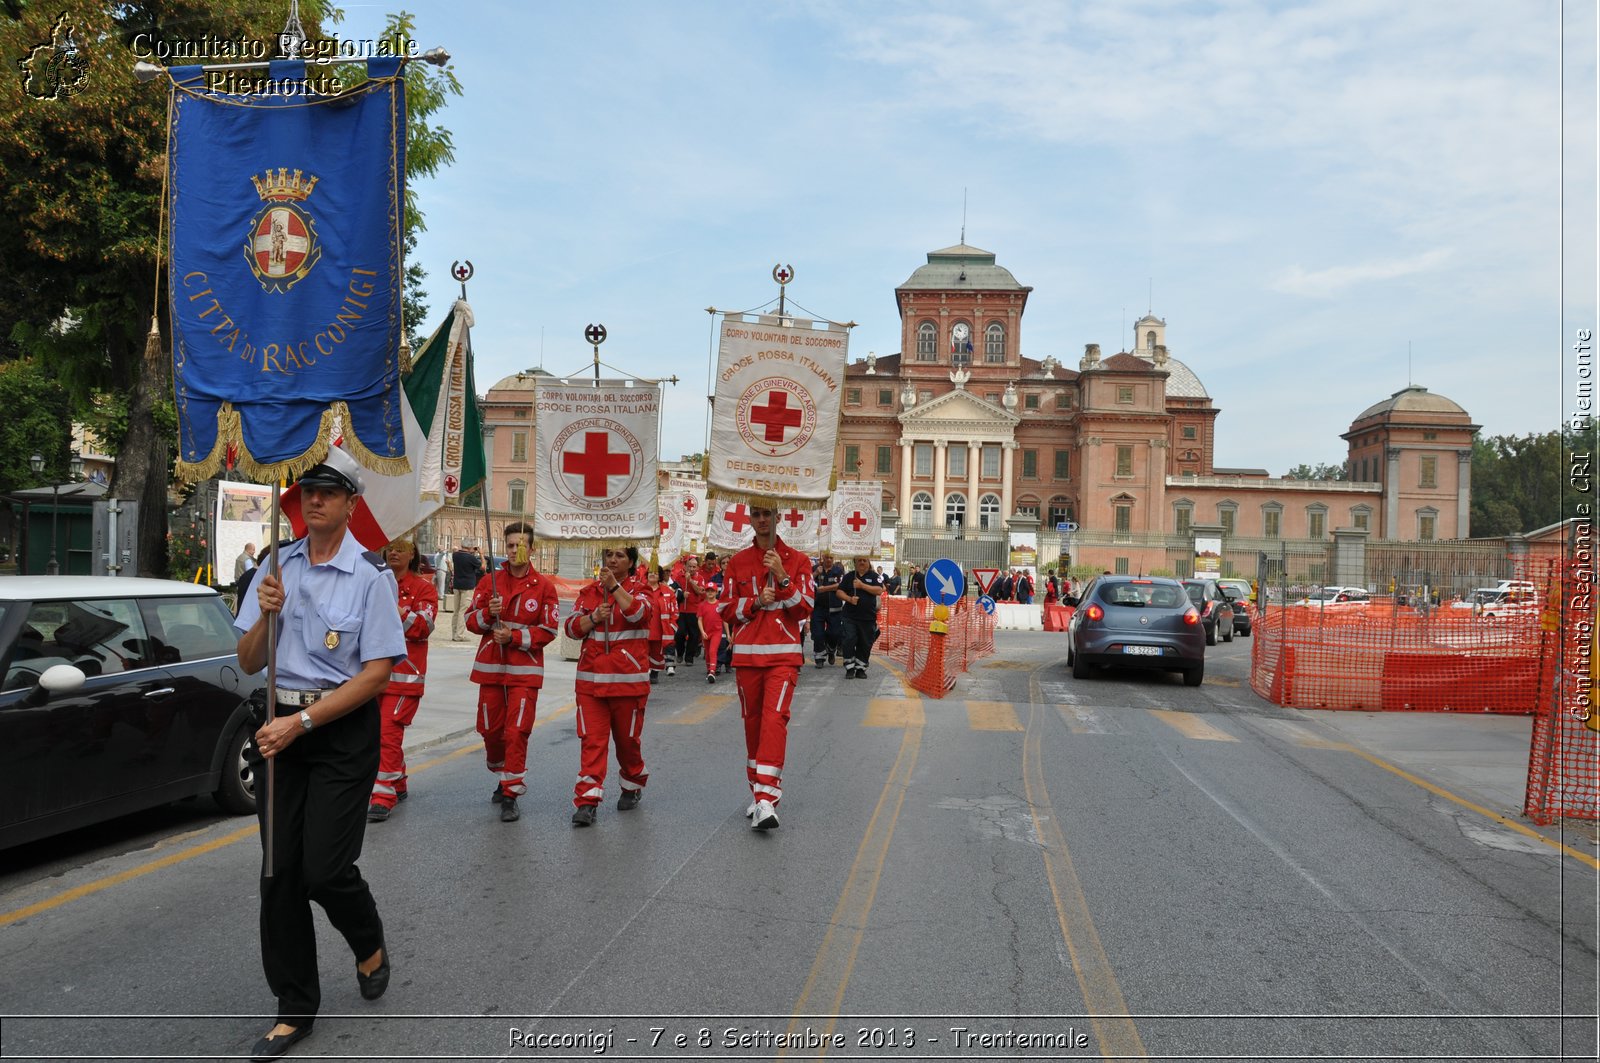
{"x":36,"y":463}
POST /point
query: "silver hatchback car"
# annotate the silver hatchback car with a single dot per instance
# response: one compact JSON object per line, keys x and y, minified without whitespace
{"x":1138,"y":622}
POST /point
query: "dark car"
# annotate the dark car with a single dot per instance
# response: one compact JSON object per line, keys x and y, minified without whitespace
{"x":1140,"y":622}
{"x":118,"y":694}
{"x":1240,"y":600}
{"x":1216,"y":609}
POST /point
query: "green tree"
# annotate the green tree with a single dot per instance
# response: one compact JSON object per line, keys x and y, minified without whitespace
{"x":38,"y":416}
{"x":84,"y":175}
{"x":1319,"y":471}
{"x":1519,"y":483}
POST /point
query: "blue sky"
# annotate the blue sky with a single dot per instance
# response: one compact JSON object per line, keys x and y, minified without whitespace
{"x":1308,"y":187}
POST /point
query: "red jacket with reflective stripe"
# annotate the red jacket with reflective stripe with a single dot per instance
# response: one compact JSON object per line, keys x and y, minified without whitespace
{"x":615,"y":659}
{"x":664,"y":615}
{"x":419,"y":607}
{"x":765,"y":637}
{"x":528,"y":606}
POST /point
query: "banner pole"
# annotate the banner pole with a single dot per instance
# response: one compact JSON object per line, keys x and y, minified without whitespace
{"x":272,"y":694}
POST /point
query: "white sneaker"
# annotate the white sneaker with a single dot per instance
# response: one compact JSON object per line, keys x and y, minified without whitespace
{"x":672,"y":669}
{"x":766,"y":817}
{"x":750,"y":812}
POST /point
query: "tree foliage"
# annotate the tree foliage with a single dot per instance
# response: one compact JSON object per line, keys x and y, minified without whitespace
{"x":1519,"y":483}
{"x":1319,"y":471}
{"x":78,"y":240}
{"x":36,"y":422}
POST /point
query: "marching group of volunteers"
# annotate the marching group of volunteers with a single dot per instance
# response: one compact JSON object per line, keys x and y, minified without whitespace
{"x":352,"y":653}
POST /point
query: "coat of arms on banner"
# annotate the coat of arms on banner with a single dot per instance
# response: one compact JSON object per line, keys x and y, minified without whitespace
{"x":596,"y":472}
{"x":283,"y":243}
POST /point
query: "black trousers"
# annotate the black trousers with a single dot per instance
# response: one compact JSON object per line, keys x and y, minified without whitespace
{"x":687,"y":641}
{"x":320,"y":795}
{"x":859,"y":635}
{"x":826,"y":625}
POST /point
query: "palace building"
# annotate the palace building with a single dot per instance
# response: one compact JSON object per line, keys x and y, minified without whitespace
{"x":983,"y":450}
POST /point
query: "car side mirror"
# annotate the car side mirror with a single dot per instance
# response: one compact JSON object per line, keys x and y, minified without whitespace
{"x":57,"y":679}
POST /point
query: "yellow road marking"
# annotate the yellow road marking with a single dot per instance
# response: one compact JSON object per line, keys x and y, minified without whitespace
{"x":1102,"y":996}
{"x":992,"y":716}
{"x":1512,"y":824}
{"x":90,"y":888}
{"x":894,"y":712}
{"x":830,"y":973}
{"x":1191,"y":726}
{"x":701,"y":709}
{"x":1219,"y":681}
{"x":899,"y":673}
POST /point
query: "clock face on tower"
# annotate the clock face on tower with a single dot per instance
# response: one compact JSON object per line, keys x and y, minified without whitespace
{"x":960,"y":332}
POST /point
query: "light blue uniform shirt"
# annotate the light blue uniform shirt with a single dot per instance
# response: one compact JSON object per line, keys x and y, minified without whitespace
{"x":348,"y":596}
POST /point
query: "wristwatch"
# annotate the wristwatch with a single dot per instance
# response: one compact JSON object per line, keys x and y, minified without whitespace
{"x":783,"y":584}
{"x":305,"y":720}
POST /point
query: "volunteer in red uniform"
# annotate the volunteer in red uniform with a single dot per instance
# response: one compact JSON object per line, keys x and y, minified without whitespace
{"x":397,"y":705}
{"x":766,"y":596}
{"x":663,"y":622}
{"x":612,"y":617}
{"x":514,"y":610}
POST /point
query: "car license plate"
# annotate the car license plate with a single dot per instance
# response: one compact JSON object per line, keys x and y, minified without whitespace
{"x":1143,"y":651}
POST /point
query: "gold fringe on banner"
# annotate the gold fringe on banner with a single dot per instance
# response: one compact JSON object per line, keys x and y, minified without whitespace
{"x":230,"y":431}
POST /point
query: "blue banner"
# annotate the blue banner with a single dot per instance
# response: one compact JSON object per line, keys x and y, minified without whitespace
{"x":286,"y":271}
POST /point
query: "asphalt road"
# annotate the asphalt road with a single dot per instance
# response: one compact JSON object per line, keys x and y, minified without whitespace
{"x":1033,"y":867}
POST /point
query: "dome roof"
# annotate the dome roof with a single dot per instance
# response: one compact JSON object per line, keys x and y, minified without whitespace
{"x":1413,"y":399}
{"x":1181,"y":381}
{"x":963,"y":266}
{"x":522,"y":381}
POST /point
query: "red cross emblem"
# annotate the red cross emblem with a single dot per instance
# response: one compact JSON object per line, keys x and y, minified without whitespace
{"x":595,"y":463}
{"x":591,"y":457}
{"x":451,"y":484}
{"x":776,"y":416}
{"x":690,"y":505}
{"x":666,"y":526}
{"x":738,"y":516}
{"x":857,"y":522}
{"x":794,"y":518}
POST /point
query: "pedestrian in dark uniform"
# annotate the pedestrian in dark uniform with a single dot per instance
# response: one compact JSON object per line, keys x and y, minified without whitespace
{"x":858,"y":593}
{"x":339,"y":635}
{"x":467,"y":569}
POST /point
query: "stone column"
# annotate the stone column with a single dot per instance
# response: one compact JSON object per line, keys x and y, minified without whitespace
{"x":1391,"y":495}
{"x":938,"y":482}
{"x":905,"y":482}
{"x":974,"y":462}
{"x":1463,"y":494}
{"x":1007,"y":459}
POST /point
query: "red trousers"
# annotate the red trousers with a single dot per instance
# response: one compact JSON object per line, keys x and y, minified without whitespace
{"x":765,"y":695}
{"x":713,"y":644}
{"x":395,"y":713}
{"x":657,"y":662}
{"x":600,"y":720}
{"x":505,"y":716}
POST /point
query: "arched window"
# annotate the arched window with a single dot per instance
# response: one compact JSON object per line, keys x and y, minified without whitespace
{"x":994,"y":343}
{"x":989,"y":513}
{"x":927,"y":342}
{"x":1150,"y":340}
{"x":955,"y":510}
{"x":921,"y":509}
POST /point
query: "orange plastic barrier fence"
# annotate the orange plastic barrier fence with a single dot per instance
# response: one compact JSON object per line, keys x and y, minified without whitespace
{"x":1564,"y":758}
{"x":1379,"y":657}
{"x":931,"y":661}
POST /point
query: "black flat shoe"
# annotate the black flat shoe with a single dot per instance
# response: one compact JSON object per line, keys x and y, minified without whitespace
{"x":273,"y":1047}
{"x":374,"y":984}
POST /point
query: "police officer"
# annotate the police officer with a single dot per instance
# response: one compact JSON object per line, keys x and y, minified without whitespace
{"x":339,"y":635}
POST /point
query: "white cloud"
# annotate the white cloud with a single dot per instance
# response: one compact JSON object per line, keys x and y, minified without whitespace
{"x":1326,"y":283}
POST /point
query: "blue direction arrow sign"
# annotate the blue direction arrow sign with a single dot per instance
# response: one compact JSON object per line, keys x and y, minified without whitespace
{"x":945,"y":582}
{"x":986,"y":603}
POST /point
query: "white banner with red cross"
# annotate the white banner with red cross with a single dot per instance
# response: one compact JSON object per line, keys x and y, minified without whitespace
{"x":692,"y":502}
{"x":669,"y":521}
{"x":802,"y":528}
{"x":728,"y":528}
{"x":857,"y":519}
{"x":775,"y":414}
{"x":595,"y":468}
